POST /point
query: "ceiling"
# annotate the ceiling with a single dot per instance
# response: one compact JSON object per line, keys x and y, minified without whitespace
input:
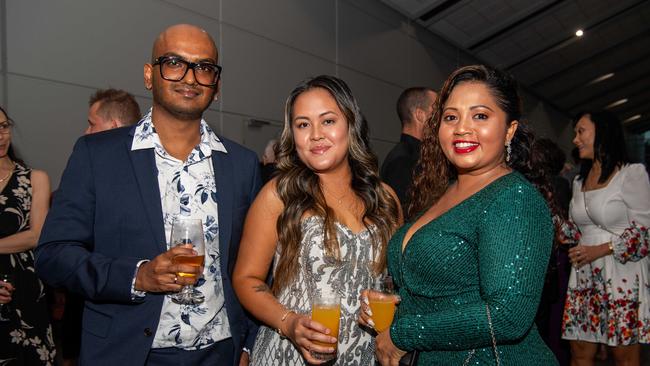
{"x":535,"y":40}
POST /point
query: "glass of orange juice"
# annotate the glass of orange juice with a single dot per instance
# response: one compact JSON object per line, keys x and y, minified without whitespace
{"x":326,"y":309}
{"x":381,"y":301}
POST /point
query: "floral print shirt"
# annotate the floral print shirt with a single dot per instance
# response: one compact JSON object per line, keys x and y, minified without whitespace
{"x":188,"y":189}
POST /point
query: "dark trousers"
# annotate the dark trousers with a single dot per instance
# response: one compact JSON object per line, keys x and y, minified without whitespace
{"x":218,"y":354}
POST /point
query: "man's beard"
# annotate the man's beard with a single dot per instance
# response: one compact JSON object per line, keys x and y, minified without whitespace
{"x":178,"y":111}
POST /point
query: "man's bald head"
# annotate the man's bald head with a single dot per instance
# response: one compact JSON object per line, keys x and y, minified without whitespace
{"x":181,"y":32}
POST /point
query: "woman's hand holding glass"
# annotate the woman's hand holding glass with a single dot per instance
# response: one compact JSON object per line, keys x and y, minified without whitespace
{"x":378,"y":304}
{"x":305,"y":333}
{"x":6,"y":288}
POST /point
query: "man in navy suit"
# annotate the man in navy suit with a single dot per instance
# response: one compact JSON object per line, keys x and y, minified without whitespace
{"x":107,"y":234}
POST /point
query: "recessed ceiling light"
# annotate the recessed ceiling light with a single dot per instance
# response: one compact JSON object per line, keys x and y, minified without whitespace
{"x":601,"y":78}
{"x":580,"y":33}
{"x":616,"y":103}
{"x":633,"y":118}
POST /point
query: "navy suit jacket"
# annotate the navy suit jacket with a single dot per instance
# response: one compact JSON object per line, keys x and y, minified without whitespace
{"x":106,"y":216}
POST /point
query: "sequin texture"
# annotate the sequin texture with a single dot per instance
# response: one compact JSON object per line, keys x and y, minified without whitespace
{"x":491,"y":248}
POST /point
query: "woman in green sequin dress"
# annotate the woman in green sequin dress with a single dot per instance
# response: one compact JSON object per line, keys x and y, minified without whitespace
{"x":470,"y":264}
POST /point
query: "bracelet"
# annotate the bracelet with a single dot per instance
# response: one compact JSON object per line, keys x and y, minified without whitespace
{"x":610,"y":246}
{"x":282,"y":319}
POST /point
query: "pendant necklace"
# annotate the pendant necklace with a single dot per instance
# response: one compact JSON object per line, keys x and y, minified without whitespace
{"x":339,"y":200}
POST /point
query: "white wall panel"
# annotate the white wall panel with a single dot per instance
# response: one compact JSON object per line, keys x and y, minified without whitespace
{"x":49,"y":119}
{"x":256,"y":137}
{"x":90,"y":43}
{"x":377,"y":101}
{"x":208,"y":8}
{"x":59,"y":52}
{"x":308,"y":25}
{"x":233,"y":127}
{"x":427,"y":67}
{"x":381,"y":149}
{"x":377,"y":10}
{"x":259,"y":75}
{"x":372,"y":46}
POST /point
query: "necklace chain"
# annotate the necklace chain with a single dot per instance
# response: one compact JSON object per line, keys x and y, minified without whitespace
{"x":13,"y":168}
{"x":338,"y":199}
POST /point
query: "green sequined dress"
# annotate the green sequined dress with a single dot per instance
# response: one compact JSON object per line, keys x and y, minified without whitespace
{"x":493,"y":248}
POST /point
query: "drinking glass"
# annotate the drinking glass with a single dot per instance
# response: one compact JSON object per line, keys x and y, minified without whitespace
{"x":382,"y":304}
{"x":326,"y":309}
{"x":5,"y":309}
{"x":184,"y":232}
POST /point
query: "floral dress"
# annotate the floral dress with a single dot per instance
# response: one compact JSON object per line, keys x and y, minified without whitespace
{"x":608,"y":300}
{"x":26,"y":339}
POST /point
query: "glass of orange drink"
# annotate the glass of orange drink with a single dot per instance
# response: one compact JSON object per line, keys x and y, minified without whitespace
{"x":186,"y":231}
{"x":326,"y":309}
{"x":381,"y":301}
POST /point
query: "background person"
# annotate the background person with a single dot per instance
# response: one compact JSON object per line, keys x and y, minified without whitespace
{"x":268,"y":160}
{"x":111,"y":108}
{"x":414,"y":108}
{"x":26,"y":339}
{"x":611,"y":208}
{"x":323,"y":222}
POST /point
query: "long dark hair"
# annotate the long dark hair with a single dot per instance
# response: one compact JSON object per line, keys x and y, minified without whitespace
{"x":299,"y":189}
{"x":10,"y":151}
{"x":609,"y":145}
{"x":434,"y":171}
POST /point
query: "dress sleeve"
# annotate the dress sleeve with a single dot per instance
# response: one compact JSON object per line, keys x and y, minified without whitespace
{"x":515,"y":237}
{"x":632,"y":244}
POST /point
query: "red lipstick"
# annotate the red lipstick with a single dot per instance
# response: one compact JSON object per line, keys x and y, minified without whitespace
{"x":464,"y":147}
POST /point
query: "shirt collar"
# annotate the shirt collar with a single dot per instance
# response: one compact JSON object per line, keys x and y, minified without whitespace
{"x":145,"y":137}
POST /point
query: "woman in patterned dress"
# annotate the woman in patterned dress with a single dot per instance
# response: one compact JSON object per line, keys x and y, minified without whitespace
{"x":26,"y":338}
{"x":608,"y":299}
{"x":322,"y":223}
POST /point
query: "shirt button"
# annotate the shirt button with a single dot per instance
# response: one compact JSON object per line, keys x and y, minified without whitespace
{"x":147,"y":332}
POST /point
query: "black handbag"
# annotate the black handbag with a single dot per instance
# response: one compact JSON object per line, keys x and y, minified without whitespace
{"x":409,"y":359}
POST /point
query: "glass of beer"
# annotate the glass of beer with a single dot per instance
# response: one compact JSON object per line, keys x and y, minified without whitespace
{"x":326,"y":309}
{"x":382,"y":304}
{"x":5,"y":309}
{"x":188,"y":232}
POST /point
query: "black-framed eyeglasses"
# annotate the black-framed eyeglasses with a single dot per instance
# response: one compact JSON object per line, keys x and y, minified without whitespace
{"x":173,"y":68}
{"x":5,"y":126}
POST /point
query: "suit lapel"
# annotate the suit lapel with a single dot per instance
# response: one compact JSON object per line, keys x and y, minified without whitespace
{"x":144,"y":168}
{"x":222,"y":171}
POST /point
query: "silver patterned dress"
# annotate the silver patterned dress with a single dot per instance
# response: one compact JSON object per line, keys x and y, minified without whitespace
{"x":318,"y":272}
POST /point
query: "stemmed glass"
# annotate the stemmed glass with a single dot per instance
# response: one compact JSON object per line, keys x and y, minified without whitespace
{"x":5,"y":309}
{"x":188,"y":232}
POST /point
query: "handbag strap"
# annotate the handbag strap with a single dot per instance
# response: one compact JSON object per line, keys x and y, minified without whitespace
{"x":494,"y":341}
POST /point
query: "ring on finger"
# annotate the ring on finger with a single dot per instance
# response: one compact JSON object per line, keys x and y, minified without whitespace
{"x":175,"y":279}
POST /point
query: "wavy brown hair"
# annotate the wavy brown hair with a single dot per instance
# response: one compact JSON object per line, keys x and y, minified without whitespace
{"x":434,"y":171}
{"x":299,"y":188}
